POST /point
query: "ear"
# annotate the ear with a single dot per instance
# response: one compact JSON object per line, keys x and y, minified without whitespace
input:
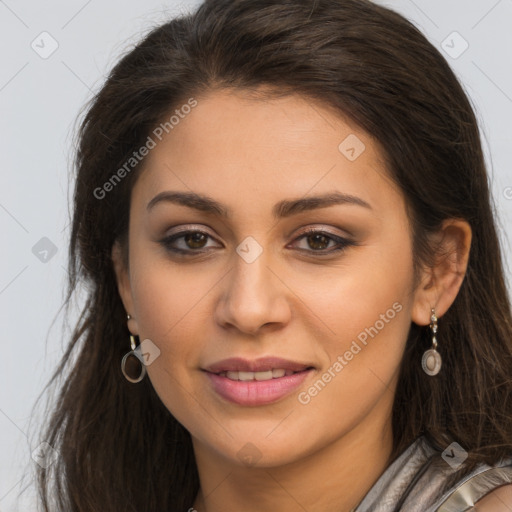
{"x":440,"y":285}
{"x":124,"y":286}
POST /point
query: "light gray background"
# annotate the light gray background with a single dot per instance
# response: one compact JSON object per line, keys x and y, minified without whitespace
{"x":40,"y":98}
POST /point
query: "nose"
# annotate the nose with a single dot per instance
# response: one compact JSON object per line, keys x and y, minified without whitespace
{"x":254,"y":297}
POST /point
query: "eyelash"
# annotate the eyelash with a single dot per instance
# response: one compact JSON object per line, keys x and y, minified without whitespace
{"x":343,"y":243}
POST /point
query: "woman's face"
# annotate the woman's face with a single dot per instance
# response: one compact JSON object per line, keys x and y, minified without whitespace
{"x":204,"y":287}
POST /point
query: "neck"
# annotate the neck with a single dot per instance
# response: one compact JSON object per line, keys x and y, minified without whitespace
{"x":336,"y":477}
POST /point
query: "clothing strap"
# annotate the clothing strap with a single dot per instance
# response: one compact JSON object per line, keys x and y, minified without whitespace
{"x":413,"y":482}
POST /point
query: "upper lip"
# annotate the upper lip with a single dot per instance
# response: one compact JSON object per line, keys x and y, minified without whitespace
{"x":256,"y":365}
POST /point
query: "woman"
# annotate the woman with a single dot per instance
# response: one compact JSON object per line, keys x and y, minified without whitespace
{"x":296,"y":293}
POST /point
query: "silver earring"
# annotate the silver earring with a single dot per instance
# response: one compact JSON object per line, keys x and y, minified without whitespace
{"x":431,"y":360}
{"x":132,"y":365}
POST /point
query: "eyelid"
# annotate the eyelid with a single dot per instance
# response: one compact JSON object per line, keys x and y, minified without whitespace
{"x":184,"y":228}
{"x":319,"y":227}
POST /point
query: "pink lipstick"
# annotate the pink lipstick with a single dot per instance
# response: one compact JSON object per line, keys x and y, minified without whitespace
{"x":257,"y":382}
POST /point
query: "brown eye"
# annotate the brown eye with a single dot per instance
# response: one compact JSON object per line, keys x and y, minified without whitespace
{"x":318,"y":241}
{"x":195,"y":240}
{"x":187,"y":242}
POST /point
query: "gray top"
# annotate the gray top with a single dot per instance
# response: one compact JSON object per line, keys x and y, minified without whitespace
{"x":416,"y":481}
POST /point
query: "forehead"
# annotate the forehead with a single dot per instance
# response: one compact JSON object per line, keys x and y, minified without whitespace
{"x":247,"y":150}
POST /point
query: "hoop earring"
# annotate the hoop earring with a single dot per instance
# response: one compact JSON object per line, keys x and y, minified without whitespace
{"x":132,"y":365}
{"x":431,"y":361}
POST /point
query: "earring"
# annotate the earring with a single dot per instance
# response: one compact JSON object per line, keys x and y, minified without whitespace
{"x":132,"y":366}
{"x":431,"y":360}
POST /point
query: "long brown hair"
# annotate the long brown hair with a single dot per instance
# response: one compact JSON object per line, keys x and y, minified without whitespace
{"x":119,"y":447}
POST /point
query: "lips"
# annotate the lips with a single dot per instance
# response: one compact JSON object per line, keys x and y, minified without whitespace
{"x":257,"y":382}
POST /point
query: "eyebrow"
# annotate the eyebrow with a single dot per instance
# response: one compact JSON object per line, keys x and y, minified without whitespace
{"x":282,"y":209}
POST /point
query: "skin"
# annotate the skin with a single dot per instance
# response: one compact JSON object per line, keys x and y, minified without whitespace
{"x":249,"y":154}
{"x":499,"y":500}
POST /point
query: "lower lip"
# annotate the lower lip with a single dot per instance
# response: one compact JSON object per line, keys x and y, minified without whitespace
{"x":256,"y":392}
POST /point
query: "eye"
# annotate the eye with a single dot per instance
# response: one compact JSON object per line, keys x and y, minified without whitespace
{"x":191,"y":241}
{"x":318,"y":241}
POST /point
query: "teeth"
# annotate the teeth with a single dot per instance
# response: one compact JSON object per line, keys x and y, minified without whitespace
{"x":265,"y":375}
{"x":246,"y":375}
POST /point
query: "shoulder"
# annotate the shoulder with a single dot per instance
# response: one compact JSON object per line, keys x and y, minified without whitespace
{"x":499,"y":500}
{"x":486,"y":488}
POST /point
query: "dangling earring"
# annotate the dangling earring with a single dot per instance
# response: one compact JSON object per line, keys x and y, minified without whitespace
{"x":431,"y":360}
{"x":131,"y":365}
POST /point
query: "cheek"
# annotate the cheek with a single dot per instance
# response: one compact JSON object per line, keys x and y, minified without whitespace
{"x":166,"y":299}
{"x":368,"y":311}
{"x":170,"y":308}
{"x":368,"y":297}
